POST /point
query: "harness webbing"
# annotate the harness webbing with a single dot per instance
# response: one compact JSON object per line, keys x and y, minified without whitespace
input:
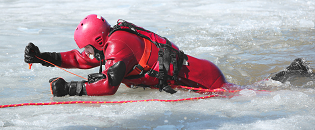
{"x":167,"y":55}
{"x":143,"y":63}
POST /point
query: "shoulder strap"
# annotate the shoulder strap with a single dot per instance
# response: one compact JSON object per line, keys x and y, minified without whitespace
{"x":167,"y":55}
{"x":143,"y":63}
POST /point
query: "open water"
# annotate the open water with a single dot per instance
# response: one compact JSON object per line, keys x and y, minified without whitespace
{"x":249,"y":40}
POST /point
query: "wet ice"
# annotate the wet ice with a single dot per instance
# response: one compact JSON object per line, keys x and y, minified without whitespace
{"x":248,"y":40}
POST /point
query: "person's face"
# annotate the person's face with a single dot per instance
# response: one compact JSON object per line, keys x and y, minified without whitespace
{"x":89,"y":51}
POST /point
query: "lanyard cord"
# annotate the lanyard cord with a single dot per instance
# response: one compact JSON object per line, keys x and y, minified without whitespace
{"x":58,"y":67}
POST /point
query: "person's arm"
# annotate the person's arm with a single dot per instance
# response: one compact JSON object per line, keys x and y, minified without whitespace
{"x":119,"y":60}
{"x":75,"y":59}
{"x":110,"y":80}
{"x":69,"y":59}
{"x":98,"y":84}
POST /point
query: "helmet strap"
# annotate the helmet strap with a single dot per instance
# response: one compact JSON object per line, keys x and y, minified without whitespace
{"x":99,"y":55}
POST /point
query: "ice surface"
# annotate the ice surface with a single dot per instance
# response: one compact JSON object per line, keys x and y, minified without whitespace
{"x":26,"y":30}
{"x":248,"y":40}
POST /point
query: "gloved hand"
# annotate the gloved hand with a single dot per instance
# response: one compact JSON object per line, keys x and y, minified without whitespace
{"x":59,"y":87}
{"x":31,"y":51}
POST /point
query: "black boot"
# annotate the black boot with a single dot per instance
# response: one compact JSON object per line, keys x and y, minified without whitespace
{"x":59,"y":87}
{"x":299,"y":67}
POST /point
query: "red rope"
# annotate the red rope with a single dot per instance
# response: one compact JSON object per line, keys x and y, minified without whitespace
{"x":106,"y":102}
{"x":210,"y":90}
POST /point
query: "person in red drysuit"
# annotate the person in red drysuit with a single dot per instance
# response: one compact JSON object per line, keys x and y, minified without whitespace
{"x":121,"y":51}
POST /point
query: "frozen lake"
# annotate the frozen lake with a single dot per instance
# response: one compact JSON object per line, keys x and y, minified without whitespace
{"x":249,"y":40}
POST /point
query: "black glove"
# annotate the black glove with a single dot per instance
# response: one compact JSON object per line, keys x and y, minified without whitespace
{"x":59,"y":87}
{"x":31,"y":51}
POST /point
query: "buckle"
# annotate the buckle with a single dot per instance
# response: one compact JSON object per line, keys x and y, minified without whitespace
{"x":139,"y":68}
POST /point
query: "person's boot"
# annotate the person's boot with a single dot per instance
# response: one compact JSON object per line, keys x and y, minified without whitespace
{"x":299,"y":67}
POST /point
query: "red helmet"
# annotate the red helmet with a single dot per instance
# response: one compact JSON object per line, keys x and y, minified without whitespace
{"x":92,"y":30}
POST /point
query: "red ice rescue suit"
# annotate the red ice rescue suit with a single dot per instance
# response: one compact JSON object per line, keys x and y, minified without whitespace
{"x":135,"y":56}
